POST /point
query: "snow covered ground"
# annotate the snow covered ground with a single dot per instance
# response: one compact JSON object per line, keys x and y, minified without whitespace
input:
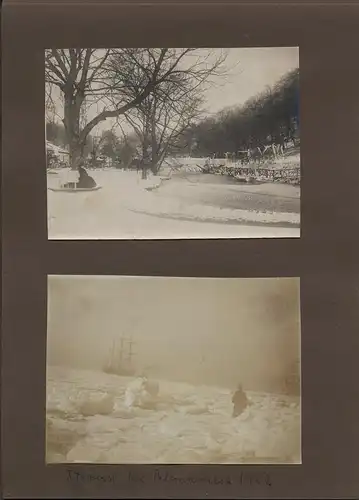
{"x":189,"y":424}
{"x":178,"y":208}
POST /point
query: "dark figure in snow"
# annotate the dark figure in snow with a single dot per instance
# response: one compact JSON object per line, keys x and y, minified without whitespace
{"x":85,"y":180}
{"x":240,"y":401}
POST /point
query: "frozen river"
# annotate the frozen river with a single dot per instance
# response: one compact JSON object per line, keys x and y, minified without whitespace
{"x":188,"y":424}
{"x":190,"y":206}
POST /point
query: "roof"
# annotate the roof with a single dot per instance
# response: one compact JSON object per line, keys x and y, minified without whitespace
{"x":55,"y":148}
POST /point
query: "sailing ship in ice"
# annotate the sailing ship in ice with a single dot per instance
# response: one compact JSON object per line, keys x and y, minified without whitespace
{"x":119,"y":361}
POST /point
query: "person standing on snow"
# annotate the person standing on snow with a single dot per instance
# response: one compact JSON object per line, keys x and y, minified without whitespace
{"x":240,"y":401}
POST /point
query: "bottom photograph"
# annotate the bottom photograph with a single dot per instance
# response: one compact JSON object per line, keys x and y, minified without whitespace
{"x":162,"y":370}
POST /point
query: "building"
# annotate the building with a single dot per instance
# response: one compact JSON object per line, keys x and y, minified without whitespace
{"x":62,"y":155}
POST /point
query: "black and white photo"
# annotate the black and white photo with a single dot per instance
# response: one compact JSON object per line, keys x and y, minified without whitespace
{"x":173,"y":370}
{"x":172,"y":143}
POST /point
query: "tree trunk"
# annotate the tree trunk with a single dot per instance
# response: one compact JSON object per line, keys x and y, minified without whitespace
{"x":154,"y":145}
{"x":159,"y":158}
{"x":155,"y":164}
{"x":145,"y":147}
{"x":72,"y":110}
{"x":76,"y":155}
{"x":144,"y":170}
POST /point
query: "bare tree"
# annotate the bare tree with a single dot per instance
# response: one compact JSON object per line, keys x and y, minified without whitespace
{"x":119,"y":79}
{"x":160,"y":121}
{"x":175,"y":101}
{"x":75,"y":72}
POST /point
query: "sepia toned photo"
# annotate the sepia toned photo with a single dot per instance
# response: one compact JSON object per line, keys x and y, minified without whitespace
{"x":173,"y":370}
{"x":166,"y":143}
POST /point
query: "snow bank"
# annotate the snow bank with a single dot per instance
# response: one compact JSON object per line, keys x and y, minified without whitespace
{"x":95,"y":404}
{"x":201,"y":213}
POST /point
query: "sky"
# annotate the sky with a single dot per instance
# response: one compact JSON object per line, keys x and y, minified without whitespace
{"x":196,"y":330}
{"x":250,"y":71}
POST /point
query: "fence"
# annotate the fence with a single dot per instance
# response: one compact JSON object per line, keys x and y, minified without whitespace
{"x":287,"y":175}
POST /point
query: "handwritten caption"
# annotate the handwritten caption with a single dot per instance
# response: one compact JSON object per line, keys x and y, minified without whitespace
{"x":158,"y":476}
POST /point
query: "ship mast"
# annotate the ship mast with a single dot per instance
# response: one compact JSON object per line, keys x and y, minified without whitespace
{"x":130,"y":352}
{"x":121,"y":354}
{"x":120,"y":358}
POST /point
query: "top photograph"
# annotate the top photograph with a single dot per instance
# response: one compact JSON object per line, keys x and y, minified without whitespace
{"x":166,"y":143}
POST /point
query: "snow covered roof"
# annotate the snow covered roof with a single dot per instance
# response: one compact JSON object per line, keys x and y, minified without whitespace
{"x":56,"y":149}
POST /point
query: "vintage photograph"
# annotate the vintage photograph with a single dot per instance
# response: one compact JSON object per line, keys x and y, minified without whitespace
{"x":166,"y":143}
{"x":165,"y":370}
